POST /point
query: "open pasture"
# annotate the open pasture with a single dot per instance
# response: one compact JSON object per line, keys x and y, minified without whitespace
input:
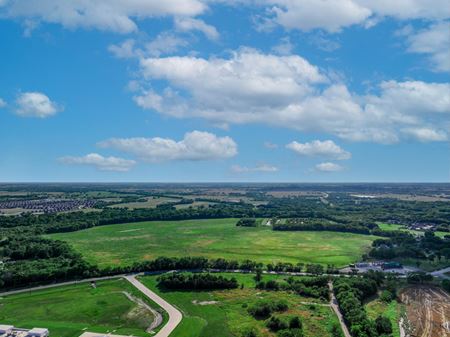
{"x":68,"y":311}
{"x":225,"y":314}
{"x":124,"y":244}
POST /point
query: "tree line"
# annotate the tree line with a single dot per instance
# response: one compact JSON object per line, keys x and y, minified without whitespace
{"x":179,"y":281}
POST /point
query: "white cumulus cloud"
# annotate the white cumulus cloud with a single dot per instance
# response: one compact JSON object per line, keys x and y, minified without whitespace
{"x":333,"y":16}
{"x":109,"y":15}
{"x":163,"y":44}
{"x":329,"y":167}
{"x":424,"y":134}
{"x":100,"y":162}
{"x":329,"y":15}
{"x":435,"y":42}
{"x":195,"y":145}
{"x":409,"y":9}
{"x":326,"y":148}
{"x":2,"y":103}
{"x":288,"y":91}
{"x":35,"y":104}
{"x":190,"y":24}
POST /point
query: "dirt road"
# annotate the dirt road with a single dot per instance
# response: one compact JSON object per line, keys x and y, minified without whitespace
{"x":428,"y":309}
{"x":175,"y":315}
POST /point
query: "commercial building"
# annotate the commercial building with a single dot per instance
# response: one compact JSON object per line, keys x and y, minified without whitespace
{"x":12,"y":331}
{"x":6,"y":329}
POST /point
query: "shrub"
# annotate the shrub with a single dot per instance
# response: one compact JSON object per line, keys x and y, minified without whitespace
{"x":250,"y":332}
{"x":264,"y":308}
{"x":290,"y":333}
{"x":295,"y":323}
{"x":276,"y":323}
{"x":383,"y":325}
{"x":386,"y":296}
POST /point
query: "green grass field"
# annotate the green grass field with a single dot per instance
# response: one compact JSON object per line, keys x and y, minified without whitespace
{"x":219,"y":238}
{"x":227,"y":316}
{"x":70,"y":310}
{"x":391,"y":310}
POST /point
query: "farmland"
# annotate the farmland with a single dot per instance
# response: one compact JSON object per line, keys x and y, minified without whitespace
{"x":124,"y":244}
{"x":70,"y":310}
{"x":224,"y":313}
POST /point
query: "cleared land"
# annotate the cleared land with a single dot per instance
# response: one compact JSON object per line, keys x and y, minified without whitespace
{"x":224,"y":313}
{"x":151,"y":202}
{"x":70,"y":310}
{"x":219,"y":238}
{"x":428,"y":310}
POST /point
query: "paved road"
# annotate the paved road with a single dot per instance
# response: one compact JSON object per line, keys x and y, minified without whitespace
{"x":175,"y":315}
{"x":441,"y":273}
{"x":335,"y":307}
{"x":54,"y":285}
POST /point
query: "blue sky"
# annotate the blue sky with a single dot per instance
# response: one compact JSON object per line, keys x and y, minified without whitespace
{"x":210,"y":90}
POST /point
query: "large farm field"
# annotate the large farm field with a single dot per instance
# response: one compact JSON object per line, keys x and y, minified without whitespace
{"x":124,"y":244}
{"x":113,"y":306}
{"x":225,"y":313}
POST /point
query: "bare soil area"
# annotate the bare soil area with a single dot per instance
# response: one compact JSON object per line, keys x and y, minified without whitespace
{"x":428,"y":310}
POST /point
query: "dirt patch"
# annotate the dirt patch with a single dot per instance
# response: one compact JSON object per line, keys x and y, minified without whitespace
{"x":131,"y":230}
{"x":204,"y":302}
{"x":141,"y":308}
{"x":428,"y":310}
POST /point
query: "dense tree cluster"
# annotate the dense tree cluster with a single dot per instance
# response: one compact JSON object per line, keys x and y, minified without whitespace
{"x":350,"y":293}
{"x":285,"y":325}
{"x":247,"y":222}
{"x":262,"y":309}
{"x":178,"y":281}
{"x":68,"y":222}
{"x":25,"y":248}
{"x":301,"y":224}
{"x":446,"y":285}
{"x":70,"y":265}
{"x":35,"y":260}
{"x":428,"y":246}
{"x":419,"y":278}
{"x":316,"y":287}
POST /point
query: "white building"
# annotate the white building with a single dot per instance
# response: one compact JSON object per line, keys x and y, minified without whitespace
{"x":6,"y":329}
{"x":38,"y":332}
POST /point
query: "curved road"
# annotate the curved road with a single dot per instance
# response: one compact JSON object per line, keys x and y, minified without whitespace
{"x":175,"y":315}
